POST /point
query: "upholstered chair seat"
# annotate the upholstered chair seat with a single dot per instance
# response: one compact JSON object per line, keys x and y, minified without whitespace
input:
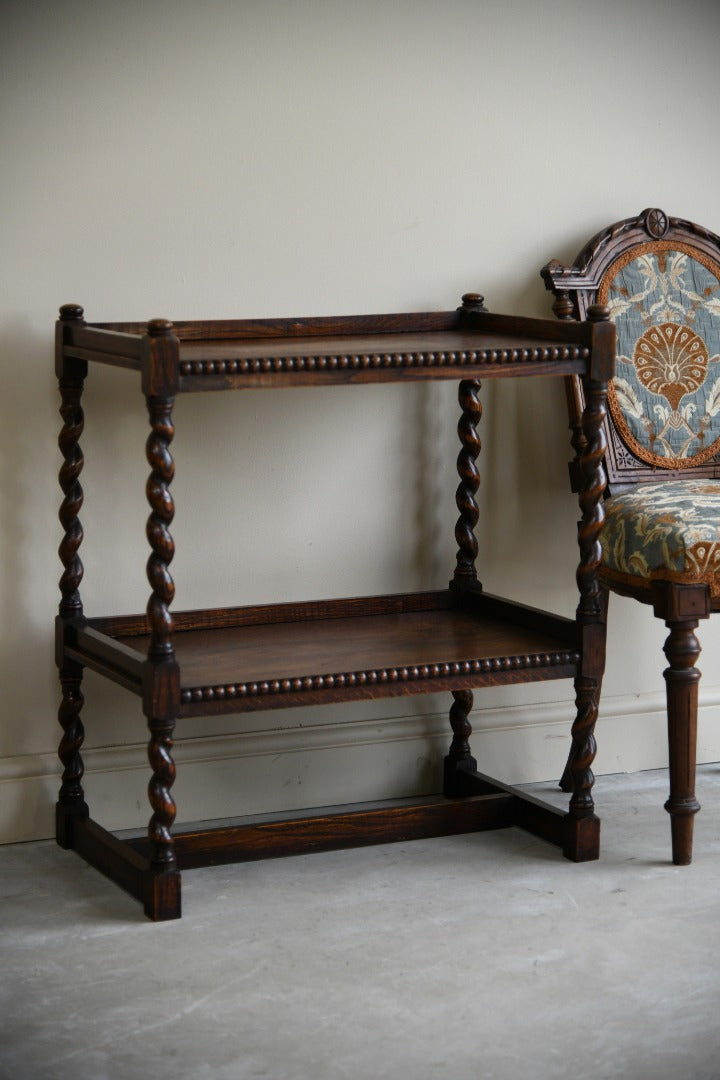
{"x":663,"y":532}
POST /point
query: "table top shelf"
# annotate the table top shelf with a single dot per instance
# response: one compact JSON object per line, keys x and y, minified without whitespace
{"x":239,"y":354}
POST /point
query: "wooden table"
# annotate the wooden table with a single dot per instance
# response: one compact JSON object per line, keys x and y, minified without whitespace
{"x":234,"y":660}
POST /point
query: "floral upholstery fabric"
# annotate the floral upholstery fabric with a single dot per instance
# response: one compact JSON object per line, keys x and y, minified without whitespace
{"x":667,"y":531}
{"x":665,"y":398}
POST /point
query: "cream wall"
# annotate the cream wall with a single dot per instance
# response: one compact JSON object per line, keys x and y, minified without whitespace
{"x":218,"y":158}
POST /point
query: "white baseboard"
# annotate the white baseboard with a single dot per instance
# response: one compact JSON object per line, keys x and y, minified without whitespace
{"x":286,"y":769}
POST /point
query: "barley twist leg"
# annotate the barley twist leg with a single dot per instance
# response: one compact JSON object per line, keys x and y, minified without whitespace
{"x":592,"y":604}
{"x":465,"y":571}
{"x":161,"y":720}
{"x":71,"y":803}
{"x":162,"y":510}
{"x":459,"y":760}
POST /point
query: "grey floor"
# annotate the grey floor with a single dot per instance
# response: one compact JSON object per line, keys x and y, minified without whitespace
{"x":483,"y":957}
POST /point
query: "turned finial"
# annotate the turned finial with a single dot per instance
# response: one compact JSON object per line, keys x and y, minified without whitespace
{"x":71,"y":313}
{"x":472,"y":301}
{"x":158,"y":327}
{"x":598,"y":313}
{"x":563,"y":306}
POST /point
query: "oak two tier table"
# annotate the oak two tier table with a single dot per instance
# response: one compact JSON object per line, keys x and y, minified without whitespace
{"x":205,"y":662}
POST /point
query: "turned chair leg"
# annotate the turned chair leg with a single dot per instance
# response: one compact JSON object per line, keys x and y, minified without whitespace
{"x":682,"y":649}
{"x":682,"y":606}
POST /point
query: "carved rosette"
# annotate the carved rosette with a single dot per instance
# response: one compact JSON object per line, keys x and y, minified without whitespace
{"x":469,"y":481}
{"x":656,"y":222}
{"x":162,"y":510}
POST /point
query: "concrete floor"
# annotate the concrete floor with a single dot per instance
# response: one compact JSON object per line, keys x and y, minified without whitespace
{"x":481,"y":957}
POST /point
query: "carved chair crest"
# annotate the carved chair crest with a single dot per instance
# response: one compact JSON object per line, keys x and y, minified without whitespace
{"x":660,"y":278}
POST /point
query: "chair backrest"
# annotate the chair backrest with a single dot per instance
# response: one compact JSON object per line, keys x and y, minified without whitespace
{"x":660,"y":278}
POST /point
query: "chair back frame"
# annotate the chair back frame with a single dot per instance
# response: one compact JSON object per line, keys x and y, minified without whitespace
{"x":678,"y":263}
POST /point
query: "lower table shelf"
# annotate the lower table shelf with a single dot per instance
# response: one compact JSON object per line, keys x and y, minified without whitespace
{"x":281,"y":655}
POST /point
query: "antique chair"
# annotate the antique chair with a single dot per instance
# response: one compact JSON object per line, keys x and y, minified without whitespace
{"x":660,"y":278}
